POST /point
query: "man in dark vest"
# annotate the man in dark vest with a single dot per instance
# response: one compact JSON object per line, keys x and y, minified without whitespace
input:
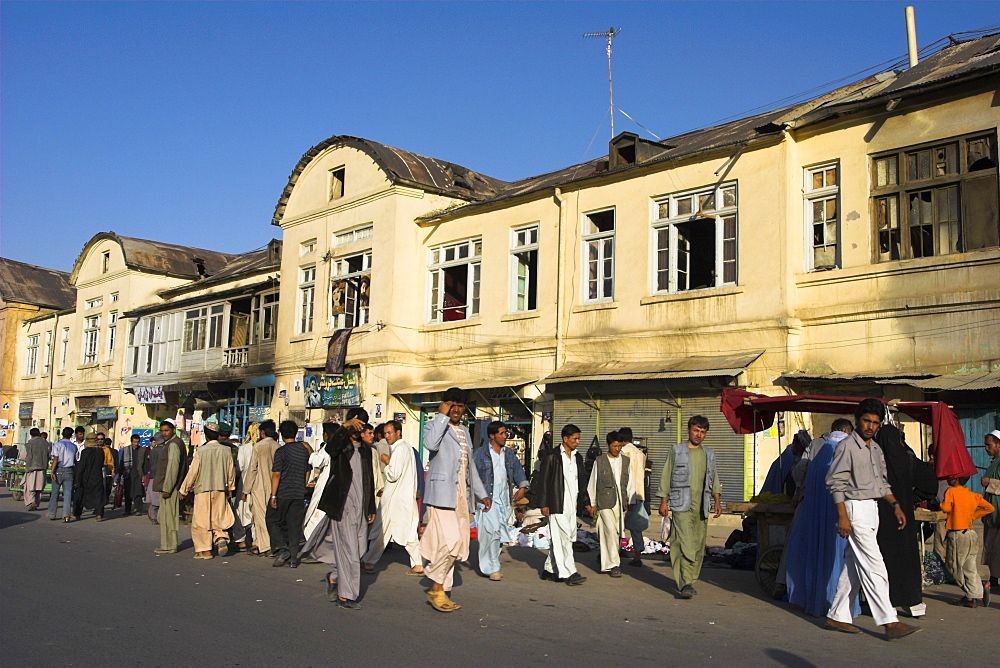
{"x":688,"y":485}
{"x":170,"y":470}
{"x":610,"y":491}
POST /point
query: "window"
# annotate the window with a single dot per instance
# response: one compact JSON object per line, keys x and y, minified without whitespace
{"x":203,"y":328}
{"x":307,"y":298}
{"x":454,"y":281}
{"x":336,"y":183}
{"x":114,"y":297}
{"x":31,"y":359}
{"x":822,"y":216}
{"x":91,"y":334}
{"x":63,"y":348}
{"x":105,"y":262}
{"x":599,"y":255}
{"x":350,"y":287}
{"x":307,"y":247}
{"x":350,"y":236}
{"x":47,"y":359}
{"x":265,"y":317}
{"x":112,"y":329}
{"x":695,"y":237}
{"x":936,"y":199}
{"x":524,"y":269}
{"x":96,"y":302}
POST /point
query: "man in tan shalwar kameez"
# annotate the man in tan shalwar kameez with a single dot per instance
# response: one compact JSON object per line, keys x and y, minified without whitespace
{"x":212,"y":478}
{"x":257,"y":485}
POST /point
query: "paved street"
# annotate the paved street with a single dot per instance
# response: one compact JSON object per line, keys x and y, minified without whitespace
{"x":94,"y":594}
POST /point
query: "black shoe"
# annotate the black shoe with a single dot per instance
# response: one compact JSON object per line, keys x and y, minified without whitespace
{"x":687,"y":591}
{"x":575,"y":579}
{"x":551,"y":576}
{"x":331,"y":591}
{"x":615,"y":572}
{"x":635,"y":562}
{"x":281,"y":558}
{"x":294,"y":563}
{"x":348,"y":604}
{"x":986,"y":594}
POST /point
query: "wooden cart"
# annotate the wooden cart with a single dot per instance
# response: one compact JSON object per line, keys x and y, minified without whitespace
{"x":773,"y":523}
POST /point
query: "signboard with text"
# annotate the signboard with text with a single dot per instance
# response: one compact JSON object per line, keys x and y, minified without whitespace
{"x":330,"y":390}
{"x":152,"y":394}
{"x":25,"y":410}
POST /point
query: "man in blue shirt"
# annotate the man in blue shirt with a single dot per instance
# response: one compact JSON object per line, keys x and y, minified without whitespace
{"x":63,"y":460}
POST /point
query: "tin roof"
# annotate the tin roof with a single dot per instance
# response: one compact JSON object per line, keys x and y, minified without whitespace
{"x":655,"y":369}
{"x":956,"y":381}
{"x":28,"y":284}
{"x":241,"y":266}
{"x":159,"y":257}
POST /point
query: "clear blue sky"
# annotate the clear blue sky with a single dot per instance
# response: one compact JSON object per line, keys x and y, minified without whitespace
{"x":181,"y":121}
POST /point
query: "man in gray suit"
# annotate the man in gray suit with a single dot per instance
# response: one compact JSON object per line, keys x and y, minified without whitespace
{"x":452,"y":485}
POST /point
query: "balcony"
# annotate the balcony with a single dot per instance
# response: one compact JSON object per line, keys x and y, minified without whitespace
{"x":236,"y":356}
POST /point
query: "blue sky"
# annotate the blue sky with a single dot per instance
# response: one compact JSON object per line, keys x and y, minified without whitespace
{"x":180,"y":121}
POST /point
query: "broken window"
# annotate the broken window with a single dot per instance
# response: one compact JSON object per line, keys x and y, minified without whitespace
{"x":696,"y":239}
{"x":524,"y":269}
{"x":822,"y":192}
{"x":265,"y":318}
{"x":350,"y":288}
{"x":336,"y":183}
{"x":203,"y":328}
{"x":945,"y":199}
{"x":454,"y":281}
{"x":599,"y":255}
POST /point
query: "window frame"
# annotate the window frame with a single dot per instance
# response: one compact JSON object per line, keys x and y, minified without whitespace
{"x":517,"y":248}
{"x":336,"y":183}
{"x":891,"y":201}
{"x":353,"y":235}
{"x":437,"y":266}
{"x":266,"y":302}
{"x":91,"y":340}
{"x":64,"y":349}
{"x":602,"y":259}
{"x":695,"y":199}
{"x":306,"y":299}
{"x":112,"y":331}
{"x":337,"y":275}
{"x":31,"y":355}
{"x":811,"y":195}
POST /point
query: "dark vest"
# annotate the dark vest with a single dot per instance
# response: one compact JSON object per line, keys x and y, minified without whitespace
{"x":608,"y":487}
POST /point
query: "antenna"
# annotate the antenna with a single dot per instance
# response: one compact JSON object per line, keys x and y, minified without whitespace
{"x":610,"y":36}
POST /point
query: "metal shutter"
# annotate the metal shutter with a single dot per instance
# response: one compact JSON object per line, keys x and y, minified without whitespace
{"x":574,"y":410}
{"x":728,"y":446}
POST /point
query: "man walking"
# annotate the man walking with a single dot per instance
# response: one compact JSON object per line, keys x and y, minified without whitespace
{"x":286,"y":507}
{"x":688,"y":485}
{"x":500,"y":471}
{"x":636,"y":519}
{"x":88,"y":489}
{"x":63,"y":461}
{"x":36,"y":459}
{"x":166,"y":482}
{"x":563,"y":486}
{"x":396,"y":518}
{"x":857,"y":478}
{"x":991,"y":522}
{"x":257,"y":485}
{"x":132,"y":461}
{"x":452,"y":486}
{"x":610,"y":490}
{"x":212,"y":478}
{"x":348,"y":500}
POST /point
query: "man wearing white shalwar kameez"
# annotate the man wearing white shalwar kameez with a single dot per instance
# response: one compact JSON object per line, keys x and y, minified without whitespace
{"x":560,"y":472}
{"x":610,"y":488}
{"x":499,"y":470}
{"x":396,"y":518}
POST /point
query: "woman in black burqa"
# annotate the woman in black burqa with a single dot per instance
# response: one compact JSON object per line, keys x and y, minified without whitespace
{"x":912,"y":481}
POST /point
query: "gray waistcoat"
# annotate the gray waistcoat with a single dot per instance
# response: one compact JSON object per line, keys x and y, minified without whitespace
{"x":680,"y":480}
{"x":607,"y":485}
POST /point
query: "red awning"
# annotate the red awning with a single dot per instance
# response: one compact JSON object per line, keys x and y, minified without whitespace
{"x":748,"y":412}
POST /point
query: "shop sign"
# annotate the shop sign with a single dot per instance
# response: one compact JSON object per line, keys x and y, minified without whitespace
{"x":258,"y":413}
{"x":145,"y":437}
{"x":152,"y":394}
{"x":330,"y":390}
{"x":25,"y":409}
{"x":106,"y":412}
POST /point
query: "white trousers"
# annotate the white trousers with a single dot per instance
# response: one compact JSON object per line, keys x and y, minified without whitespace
{"x":562,"y":532}
{"x":863,"y":567}
{"x":609,"y":533}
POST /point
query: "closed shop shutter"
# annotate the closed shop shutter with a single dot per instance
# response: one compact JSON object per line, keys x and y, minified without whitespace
{"x":574,"y":410}
{"x":728,"y":445}
{"x":653,"y":421}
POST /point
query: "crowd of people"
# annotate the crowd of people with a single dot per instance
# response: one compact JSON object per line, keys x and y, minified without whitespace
{"x":341,"y":504}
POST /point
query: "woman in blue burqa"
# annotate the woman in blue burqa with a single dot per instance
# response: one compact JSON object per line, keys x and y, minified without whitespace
{"x":815,"y":551}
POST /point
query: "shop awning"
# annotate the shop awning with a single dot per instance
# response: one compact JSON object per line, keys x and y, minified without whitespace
{"x":429,"y":386}
{"x":956,"y":381}
{"x":748,"y":412}
{"x":658,"y":369}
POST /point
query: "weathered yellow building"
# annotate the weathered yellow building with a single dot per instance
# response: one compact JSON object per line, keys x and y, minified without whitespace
{"x":837,"y":244}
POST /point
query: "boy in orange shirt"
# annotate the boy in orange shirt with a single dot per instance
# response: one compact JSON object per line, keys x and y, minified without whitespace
{"x":963,"y":543}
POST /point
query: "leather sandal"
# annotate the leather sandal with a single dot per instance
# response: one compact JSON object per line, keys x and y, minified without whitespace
{"x":440,"y":601}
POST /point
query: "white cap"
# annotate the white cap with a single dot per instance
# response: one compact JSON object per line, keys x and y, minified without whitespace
{"x":170,"y":422}
{"x":995,"y":434}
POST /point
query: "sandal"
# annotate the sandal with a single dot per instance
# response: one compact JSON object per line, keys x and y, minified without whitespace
{"x":67,"y":520}
{"x":415,"y":573}
{"x":440,"y":601}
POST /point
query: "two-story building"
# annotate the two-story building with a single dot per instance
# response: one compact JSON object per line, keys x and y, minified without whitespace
{"x":850,"y":243}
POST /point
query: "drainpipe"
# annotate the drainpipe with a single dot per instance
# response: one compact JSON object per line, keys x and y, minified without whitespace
{"x":557,"y":193}
{"x":911,"y":36}
{"x":52,"y":372}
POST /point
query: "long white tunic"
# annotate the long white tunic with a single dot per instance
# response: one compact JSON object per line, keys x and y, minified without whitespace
{"x":318,"y":460}
{"x":397,"y":516}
